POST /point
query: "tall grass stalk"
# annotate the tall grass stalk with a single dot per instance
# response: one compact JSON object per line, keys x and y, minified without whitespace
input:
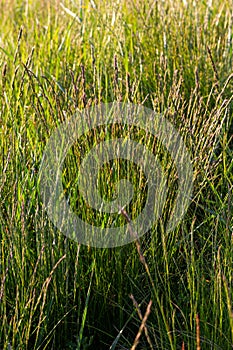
{"x":175,"y":57}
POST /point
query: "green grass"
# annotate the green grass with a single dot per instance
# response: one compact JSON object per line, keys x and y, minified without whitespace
{"x":56,"y":58}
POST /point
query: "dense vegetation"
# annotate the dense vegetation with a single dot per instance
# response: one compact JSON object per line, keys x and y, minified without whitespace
{"x":174,"y":57}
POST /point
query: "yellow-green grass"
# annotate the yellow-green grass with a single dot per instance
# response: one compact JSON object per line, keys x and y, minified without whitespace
{"x":174,"y":57}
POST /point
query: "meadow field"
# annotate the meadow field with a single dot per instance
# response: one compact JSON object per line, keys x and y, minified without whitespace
{"x":168,"y":289}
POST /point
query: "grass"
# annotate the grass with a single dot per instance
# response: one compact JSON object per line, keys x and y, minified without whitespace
{"x":174,"y":57}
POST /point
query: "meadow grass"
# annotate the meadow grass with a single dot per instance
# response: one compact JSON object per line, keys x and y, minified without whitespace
{"x":168,"y":290}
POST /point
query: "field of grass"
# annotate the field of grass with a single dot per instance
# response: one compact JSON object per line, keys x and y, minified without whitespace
{"x":171,"y":290}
